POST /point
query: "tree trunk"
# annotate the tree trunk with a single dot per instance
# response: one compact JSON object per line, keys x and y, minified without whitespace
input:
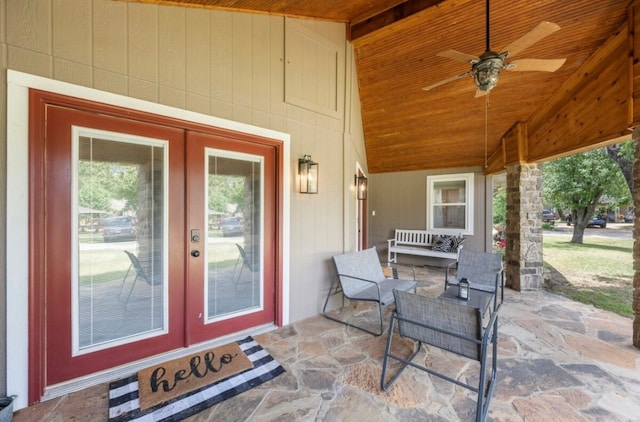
{"x":580,"y":218}
{"x":626,"y":166}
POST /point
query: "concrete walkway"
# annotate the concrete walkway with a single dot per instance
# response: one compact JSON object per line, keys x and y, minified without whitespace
{"x":559,"y":360}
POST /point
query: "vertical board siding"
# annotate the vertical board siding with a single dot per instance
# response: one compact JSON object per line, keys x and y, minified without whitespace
{"x":110,"y":36}
{"x":172,"y":46}
{"x":72,"y":31}
{"x":28,"y":25}
{"x":142,"y":46}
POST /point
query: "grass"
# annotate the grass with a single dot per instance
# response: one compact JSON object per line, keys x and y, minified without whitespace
{"x":598,"y":272}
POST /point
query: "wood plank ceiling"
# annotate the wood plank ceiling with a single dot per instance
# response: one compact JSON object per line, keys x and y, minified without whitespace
{"x":396,"y":45}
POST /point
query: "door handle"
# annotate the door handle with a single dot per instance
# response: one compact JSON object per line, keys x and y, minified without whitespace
{"x":195,"y":253}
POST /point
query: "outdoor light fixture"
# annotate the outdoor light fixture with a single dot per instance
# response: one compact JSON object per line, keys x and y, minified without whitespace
{"x":463,"y":289}
{"x":361,"y":187}
{"x":486,"y":71}
{"x":308,"y":173}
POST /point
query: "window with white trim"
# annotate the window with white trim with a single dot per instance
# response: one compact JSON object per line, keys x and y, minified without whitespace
{"x":450,"y":203}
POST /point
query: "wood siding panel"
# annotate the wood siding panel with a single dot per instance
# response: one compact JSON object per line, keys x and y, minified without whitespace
{"x":72,"y":34}
{"x":172,"y":47}
{"x":312,"y":64}
{"x":28,"y":25}
{"x":242,"y":65}
{"x":24,"y":60}
{"x":198,"y":53}
{"x":142,"y":47}
{"x":221,"y":57}
{"x":110,"y":36}
{"x":261,"y":71}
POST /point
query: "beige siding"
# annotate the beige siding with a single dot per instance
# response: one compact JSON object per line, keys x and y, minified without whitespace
{"x":400,"y":202}
{"x":226,"y":64}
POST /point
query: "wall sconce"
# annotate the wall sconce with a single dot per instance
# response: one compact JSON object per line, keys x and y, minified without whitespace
{"x":308,"y":172}
{"x":361,"y":187}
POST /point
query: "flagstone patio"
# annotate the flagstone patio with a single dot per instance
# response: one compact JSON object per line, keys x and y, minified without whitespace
{"x":557,"y":360}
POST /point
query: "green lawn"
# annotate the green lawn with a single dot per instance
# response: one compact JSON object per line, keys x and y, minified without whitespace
{"x":598,"y":272}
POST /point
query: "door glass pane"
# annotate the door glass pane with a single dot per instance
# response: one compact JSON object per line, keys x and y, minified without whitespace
{"x":234,"y":212}
{"x":119,"y":237}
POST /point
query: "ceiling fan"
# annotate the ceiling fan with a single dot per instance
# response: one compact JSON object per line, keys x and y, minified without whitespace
{"x":485,"y":69}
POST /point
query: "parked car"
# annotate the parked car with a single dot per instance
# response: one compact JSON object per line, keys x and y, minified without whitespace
{"x":629,"y":216}
{"x":115,"y":229}
{"x":597,"y":221}
{"x":548,"y":215}
{"x":231,"y":226}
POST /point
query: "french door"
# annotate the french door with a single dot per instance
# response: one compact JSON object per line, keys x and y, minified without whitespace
{"x":146,"y":238}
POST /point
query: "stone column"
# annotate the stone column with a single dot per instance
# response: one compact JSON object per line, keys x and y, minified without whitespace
{"x":636,"y":242}
{"x":524,"y":227}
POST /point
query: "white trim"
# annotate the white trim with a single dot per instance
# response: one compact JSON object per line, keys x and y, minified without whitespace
{"x":18,"y":85}
{"x":468,"y":179}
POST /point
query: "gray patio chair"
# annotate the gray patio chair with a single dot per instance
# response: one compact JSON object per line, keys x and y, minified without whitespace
{"x":139,"y":272}
{"x":243,"y":262}
{"x":359,"y":277}
{"x":483,"y":270}
{"x":451,"y":326}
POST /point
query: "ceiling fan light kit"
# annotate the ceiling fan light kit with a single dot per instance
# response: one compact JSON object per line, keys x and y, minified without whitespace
{"x":486,"y":71}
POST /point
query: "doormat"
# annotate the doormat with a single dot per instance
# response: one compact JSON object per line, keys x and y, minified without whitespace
{"x":177,"y":377}
{"x":124,"y":394}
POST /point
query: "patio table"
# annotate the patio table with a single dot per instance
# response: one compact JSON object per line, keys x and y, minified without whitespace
{"x":477,"y":298}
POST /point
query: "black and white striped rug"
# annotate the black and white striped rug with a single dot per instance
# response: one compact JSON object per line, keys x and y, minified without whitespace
{"x":123,"y":394}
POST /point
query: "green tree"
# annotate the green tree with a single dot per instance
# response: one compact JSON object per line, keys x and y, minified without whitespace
{"x":100,"y":183}
{"x":578,"y":182}
{"x":224,"y":191}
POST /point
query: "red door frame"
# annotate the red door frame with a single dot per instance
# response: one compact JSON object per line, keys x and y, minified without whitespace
{"x":38,"y":103}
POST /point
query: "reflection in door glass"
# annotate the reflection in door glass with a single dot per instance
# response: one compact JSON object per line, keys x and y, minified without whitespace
{"x":119,"y":283}
{"x":234,"y":253}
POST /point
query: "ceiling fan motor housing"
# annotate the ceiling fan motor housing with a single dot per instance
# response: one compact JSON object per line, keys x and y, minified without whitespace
{"x":486,"y":71}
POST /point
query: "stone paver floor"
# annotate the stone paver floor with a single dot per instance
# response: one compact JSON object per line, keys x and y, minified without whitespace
{"x":557,"y":360}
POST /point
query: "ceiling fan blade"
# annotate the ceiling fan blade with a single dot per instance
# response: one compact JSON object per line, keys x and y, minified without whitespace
{"x":536,"y":34}
{"x":458,"y":56}
{"x":445,"y":81}
{"x":540,"y":65}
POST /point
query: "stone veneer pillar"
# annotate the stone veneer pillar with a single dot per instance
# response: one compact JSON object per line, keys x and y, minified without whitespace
{"x":636,"y":243}
{"x":524,"y":227}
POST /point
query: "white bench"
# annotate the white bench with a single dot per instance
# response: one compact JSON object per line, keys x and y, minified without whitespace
{"x":416,"y":242}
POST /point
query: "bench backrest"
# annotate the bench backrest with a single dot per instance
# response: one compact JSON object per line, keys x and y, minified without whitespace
{"x":413,"y":237}
{"x":363,"y":264}
{"x":421,"y":318}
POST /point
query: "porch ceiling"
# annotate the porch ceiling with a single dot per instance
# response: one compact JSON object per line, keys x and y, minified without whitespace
{"x":396,"y":45}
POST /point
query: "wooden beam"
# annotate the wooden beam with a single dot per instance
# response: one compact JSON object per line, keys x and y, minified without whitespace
{"x":362,"y":26}
{"x":515,"y":144}
{"x":495,"y":162}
